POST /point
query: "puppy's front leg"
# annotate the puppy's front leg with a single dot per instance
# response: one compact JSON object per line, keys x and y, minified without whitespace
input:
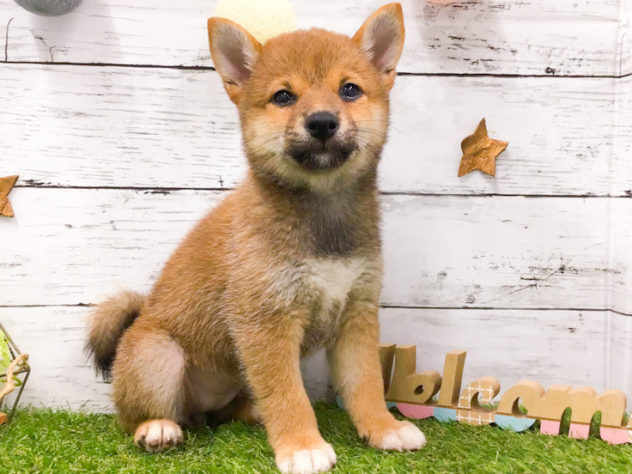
{"x":270,"y":353}
{"x":355,"y":367}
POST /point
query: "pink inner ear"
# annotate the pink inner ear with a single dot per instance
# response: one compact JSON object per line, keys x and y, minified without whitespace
{"x":382,"y":41}
{"x":234,"y":58}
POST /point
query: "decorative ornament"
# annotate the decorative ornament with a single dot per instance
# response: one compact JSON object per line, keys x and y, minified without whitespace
{"x":14,"y":371}
{"x":6,"y":185}
{"x":427,"y":394}
{"x":49,"y":7}
{"x":480,"y":152}
{"x":264,"y":19}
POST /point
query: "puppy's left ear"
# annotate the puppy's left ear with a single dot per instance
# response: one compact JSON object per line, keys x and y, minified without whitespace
{"x":382,"y":37}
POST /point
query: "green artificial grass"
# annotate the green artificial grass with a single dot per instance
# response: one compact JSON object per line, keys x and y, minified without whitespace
{"x":39,"y":440}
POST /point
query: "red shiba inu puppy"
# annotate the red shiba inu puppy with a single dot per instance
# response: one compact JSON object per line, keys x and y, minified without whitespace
{"x":288,"y":263}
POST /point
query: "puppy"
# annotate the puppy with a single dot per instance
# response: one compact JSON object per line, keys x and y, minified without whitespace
{"x":288,"y":263}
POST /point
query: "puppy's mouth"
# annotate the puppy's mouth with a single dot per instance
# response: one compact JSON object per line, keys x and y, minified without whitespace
{"x":321,"y":156}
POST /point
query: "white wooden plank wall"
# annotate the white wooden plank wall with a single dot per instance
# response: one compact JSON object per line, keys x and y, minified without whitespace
{"x":79,"y":245}
{"x":529,"y":271}
{"x":539,"y":37}
{"x":175,"y":128}
{"x":625,"y":38}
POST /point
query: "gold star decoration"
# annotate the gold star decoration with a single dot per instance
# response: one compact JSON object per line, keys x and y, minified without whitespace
{"x":6,"y":185}
{"x":480,"y":152}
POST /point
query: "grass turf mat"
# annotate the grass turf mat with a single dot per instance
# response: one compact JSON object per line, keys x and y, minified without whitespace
{"x":40,"y":440}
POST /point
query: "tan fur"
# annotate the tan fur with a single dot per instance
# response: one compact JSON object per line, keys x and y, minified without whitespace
{"x":107,"y":325}
{"x":288,"y":263}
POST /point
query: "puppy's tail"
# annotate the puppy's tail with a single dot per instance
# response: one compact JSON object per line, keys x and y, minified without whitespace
{"x":107,"y":324}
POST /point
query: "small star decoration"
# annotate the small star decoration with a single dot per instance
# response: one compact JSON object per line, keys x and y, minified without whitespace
{"x":480,"y":152}
{"x":6,"y":184}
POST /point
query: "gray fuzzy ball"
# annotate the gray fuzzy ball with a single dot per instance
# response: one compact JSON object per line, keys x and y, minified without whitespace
{"x":49,"y":7}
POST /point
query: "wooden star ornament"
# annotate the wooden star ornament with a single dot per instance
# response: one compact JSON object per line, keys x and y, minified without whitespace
{"x":6,"y":185}
{"x":480,"y":152}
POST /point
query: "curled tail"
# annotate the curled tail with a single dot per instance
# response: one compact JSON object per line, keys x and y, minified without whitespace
{"x":107,"y":324}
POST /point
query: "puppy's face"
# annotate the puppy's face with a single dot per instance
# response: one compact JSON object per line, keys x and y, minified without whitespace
{"x":313,"y":104}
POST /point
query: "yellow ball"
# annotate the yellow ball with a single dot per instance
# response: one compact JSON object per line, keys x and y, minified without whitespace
{"x":263,"y":19}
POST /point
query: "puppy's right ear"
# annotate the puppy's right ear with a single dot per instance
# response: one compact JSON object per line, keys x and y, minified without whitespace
{"x":234,"y":52}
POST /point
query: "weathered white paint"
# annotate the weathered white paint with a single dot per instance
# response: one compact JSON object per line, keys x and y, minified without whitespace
{"x":625,"y":37}
{"x":509,"y":252}
{"x":170,"y":128}
{"x":541,"y":37}
{"x":70,"y":246}
{"x":621,"y":223}
{"x":569,"y":347}
{"x":618,"y":353}
{"x":563,"y":347}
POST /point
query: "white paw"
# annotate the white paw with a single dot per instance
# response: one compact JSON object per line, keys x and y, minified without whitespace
{"x":158,"y":435}
{"x":307,"y":461}
{"x":408,"y":438}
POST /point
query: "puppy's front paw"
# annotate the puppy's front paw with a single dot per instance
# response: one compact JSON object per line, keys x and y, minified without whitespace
{"x":158,"y":435}
{"x":307,"y":461}
{"x":406,"y":436}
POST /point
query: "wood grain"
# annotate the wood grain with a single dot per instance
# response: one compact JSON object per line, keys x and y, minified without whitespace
{"x":625,"y":38}
{"x":564,"y":37}
{"x":70,"y":246}
{"x":504,"y":252}
{"x":548,"y":351}
{"x":563,"y":347}
{"x":619,"y":353}
{"x":621,"y":288}
{"x":110,"y":126}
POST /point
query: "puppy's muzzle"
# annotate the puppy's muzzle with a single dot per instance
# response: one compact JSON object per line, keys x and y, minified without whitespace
{"x":321,"y":157}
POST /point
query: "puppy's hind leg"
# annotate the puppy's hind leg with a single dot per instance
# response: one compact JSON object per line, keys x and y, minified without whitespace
{"x":149,"y":392}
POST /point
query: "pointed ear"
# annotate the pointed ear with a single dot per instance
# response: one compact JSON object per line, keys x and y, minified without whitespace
{"x":234,"y":52}
{"x":382,"y":37}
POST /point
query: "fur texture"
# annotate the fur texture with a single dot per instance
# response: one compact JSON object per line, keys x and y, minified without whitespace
{"x":288,"y":263}
{"x":107,"y":325}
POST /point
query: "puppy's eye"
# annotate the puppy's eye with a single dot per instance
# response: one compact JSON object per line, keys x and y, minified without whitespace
{"x":350,"y":92}
{"x":283,"y":98}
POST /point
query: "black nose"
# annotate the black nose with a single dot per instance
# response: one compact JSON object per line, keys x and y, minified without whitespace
{"x":321,"y":125}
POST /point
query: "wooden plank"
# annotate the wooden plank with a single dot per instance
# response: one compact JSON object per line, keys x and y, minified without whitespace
{"x":565,"y":347}
{"x":61,"y":231}
{"x":620,"y":224}
{"x":503,"y":252}
{"x":625,"y":38}
{"x":560,"y":134}
{"x":80,"y":126}
{"x":622,"y":132}
{"x":70,"y":246}
{"x":619,"y":353}
{"x":548,"y":346}
{"x":565,"y":37}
